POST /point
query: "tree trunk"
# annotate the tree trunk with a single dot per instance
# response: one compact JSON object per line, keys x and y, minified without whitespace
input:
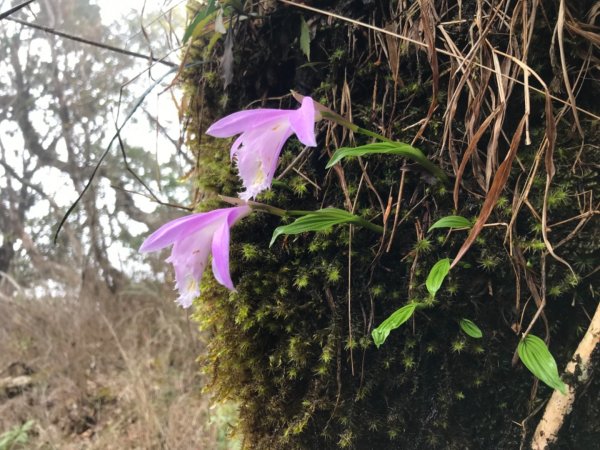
{"x":293,"y":344}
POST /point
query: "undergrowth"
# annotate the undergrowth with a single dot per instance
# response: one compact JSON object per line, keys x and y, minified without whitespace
{"x":104,"y":372}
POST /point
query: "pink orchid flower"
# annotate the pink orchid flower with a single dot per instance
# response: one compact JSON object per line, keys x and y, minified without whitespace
{"x":192,"y":238}
{"x":263,"y":132}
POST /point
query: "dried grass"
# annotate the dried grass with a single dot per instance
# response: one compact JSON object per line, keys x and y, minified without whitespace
{"x":108,"y":373}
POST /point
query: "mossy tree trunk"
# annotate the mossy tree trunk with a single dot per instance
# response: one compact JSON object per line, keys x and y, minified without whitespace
{"x":292,"y":346}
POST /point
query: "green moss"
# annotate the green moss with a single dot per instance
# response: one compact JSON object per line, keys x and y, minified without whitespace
{"x":423,"y":246}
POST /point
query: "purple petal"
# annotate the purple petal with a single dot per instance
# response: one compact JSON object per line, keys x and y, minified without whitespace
{"x":241,"y":121}
{"x":220,"y":256}
{"x":191,"y":253}
{"x":186,"y":301}
{"x":271,"y":161}
{"x":220,"y":246}
{"x":178,"y":229}
{"x":303,"y":122}
{"x":237,"y":213}
{"x":239,"y":142}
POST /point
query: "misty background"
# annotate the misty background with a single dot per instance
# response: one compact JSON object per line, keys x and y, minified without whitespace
{"x":83,"y":318}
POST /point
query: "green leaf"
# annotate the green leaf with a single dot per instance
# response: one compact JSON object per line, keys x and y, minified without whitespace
{"x":17,"y":435}
{"x":396,"y":319}
{"x":540,"y":362}
{"x":391,"y":148}
{"x":316,"y":221}
{"x":237,"y":5}
{"x":304,"y":38}
{"x":199,"y":22}
{"x":470,"y":329}
{"x":451,"y":222}
{"x":437,"y":275}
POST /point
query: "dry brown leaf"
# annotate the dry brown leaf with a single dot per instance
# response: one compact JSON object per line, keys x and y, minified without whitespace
{"x":470,"y":150}
{"x":493,"y":194}
{"x":560,"y":25}
{"x":428,"y":16}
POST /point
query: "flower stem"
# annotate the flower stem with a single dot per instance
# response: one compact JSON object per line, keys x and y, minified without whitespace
{"x":292,"y":212}
{"x":351,"y":126}
{"x":255,"y":205}
{"x":369,"y":225}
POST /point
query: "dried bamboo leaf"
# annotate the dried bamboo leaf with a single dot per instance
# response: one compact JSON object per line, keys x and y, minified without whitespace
{"x":428,"y":16}
{"x":469,"y":152}
{"x":493,"y":194}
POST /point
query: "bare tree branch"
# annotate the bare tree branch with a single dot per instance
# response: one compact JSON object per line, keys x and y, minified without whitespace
{"x":95,"y":44}
{"x":13,"y":10}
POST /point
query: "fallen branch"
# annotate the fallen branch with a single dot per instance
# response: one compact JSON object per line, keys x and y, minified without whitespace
{"x":578,"y":373}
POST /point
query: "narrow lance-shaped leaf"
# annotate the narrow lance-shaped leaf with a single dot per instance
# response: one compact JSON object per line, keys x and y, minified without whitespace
{"x":390,"y":148}
{"x":199,"y":21}
{"x":227,"y":60}
{"x":451,"y":222}
{"x":304,"y":38}
{"x":538,"y":359}
{"x":470,"y":329}
{"x":318,"y":221}
{"x":396,"y":319}
{"x":437,"y":275}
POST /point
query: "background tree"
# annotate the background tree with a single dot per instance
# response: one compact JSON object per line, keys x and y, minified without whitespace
{"x":62,"y":101}
{"x":82,"y":366}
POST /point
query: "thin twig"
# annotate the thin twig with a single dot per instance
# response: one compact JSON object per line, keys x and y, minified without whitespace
{"x":105,"y":154}
{"x":94,"y":43}
{"x":13,"y":10}
{"x":293,"y":163}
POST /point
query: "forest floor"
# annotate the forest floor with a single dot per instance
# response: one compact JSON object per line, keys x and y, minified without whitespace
{"x":104,"y":372}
